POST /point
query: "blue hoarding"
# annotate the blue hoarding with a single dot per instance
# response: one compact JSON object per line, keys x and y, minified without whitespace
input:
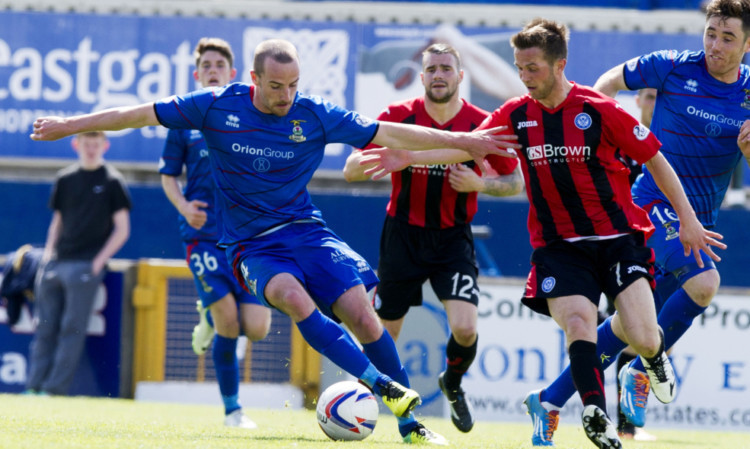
{"x":64,"y":64}
{"x":98,"y":372}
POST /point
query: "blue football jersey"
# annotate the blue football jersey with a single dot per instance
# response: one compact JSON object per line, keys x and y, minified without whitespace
{"x":187,"y":148}
{"x":697,"y":118}
{"x":262,"y":163}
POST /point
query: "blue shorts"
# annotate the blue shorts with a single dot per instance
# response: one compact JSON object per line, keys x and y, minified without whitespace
{"x":212,"y":274}
{"x":672,"y":267}
{"x":325,"y":265}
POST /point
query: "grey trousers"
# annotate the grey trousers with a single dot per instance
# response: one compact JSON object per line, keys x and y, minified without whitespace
{"x":65,"y":293}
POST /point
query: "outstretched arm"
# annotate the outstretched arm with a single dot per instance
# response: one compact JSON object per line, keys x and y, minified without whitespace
{"x":379,"y":162}
{"x":692,"y":234}
{"x":478,"y":143}
{"x":465,"y":179}
{"x":611,"y":81}
{"x":115,"y":119}
{"x":355,"y":167}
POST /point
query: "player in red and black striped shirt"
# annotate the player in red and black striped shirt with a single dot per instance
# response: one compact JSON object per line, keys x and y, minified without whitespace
{"x":427,"y":231}
{"x":588,"y":235}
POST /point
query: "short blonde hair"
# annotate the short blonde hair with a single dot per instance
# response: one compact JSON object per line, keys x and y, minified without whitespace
{"x":92,"y":134}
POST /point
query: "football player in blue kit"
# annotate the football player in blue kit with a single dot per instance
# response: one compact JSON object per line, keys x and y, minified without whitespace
{"x":232,"y":308}
{"x":265,"y":140}
{"x":701,"y":117}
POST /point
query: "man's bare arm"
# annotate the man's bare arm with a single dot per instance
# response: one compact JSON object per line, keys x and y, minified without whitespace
{"x":611,"y":81}
{"x":115,"y":119}
{"x":416,"y":138}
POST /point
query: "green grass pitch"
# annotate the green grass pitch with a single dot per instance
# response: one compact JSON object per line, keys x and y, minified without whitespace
{"x":35,"y":422}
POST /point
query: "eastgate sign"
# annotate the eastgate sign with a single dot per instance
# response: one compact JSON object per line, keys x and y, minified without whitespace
{"x":60,"y":74}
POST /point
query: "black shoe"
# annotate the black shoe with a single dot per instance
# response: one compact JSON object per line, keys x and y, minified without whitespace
{"x":461,"y":413}
{"x":599,"y":428}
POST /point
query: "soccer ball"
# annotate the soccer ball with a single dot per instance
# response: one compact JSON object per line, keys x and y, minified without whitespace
{"x":347,"y":411}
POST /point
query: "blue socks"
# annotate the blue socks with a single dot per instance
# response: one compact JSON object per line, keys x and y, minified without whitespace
{"x":384,"y":355}
{"x":675,"y":318}
{"x":227,"y":371}
{"x":607,"y":348}
{"x":332,"y":341}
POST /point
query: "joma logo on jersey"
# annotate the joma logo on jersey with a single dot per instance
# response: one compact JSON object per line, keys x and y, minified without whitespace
{"x":634,"y":268}
{"x":551,"y":151}
{"x":527,"y":124}
{"x":233,"y":121}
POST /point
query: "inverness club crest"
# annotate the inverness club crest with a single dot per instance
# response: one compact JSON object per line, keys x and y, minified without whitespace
{"x":297,"y":131}
{"x":746,"y":101}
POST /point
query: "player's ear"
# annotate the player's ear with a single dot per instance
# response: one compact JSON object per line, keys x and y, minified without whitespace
{"x":74,"y":143}
{"x":560,"y":64}
{"x":195,"y":75}
{"x":232,"y":73}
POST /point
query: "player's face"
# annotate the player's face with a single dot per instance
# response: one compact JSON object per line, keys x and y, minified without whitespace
{"x":440,"y":77}
{"x":725,"y":45}
{"x":276,"y":87}
{"x":536,"y":73}
{"x":213,"y":69}
{"x":646,"y":100}
{"x":90,"y":149}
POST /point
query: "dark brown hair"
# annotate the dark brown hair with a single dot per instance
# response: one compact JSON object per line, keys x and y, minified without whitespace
{"x":213,"y":44}
{"x":549,"y":36}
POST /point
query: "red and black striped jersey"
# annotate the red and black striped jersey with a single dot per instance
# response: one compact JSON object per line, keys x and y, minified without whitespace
{"x":421,"y":194}
{"x":576,"y":185}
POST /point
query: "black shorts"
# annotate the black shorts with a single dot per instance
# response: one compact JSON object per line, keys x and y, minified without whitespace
{"x":410,"y":255}
{"x":588,"y":268}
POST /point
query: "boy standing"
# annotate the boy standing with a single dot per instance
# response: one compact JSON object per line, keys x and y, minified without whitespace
{"x":90,"y":223}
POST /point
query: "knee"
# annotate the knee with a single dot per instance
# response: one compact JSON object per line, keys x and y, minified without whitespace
{"x":645,"y":341}
{"x":366,"y":327}
{"x":648,"y":345}
{"x":228,"y":329}
{"x":577,"y":327}
{"x":293,"y":302}
{"x":465,"y":334}
{"x":225,"y":322}
{"x":703,"y":287}
{"x":256,"y":329}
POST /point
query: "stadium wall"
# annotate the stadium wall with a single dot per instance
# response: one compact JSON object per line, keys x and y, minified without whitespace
{"x":155,"y":233}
